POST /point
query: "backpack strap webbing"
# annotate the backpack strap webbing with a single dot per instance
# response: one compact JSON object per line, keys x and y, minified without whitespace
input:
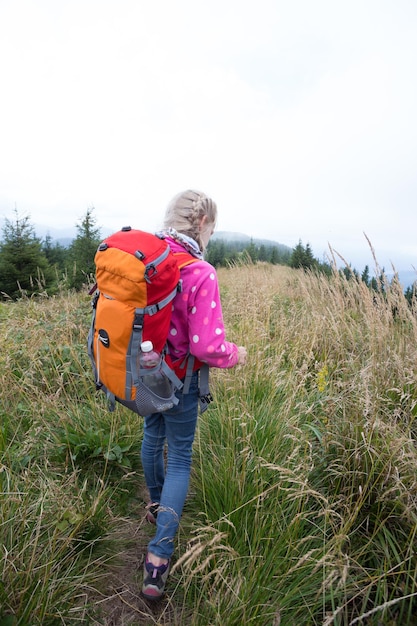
{"x":111,"y":401}
{"x":151,"y":309}
{"x":204,"y":395}
{"x":188,"y":373}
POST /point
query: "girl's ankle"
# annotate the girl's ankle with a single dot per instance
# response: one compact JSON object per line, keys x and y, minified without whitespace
{"x":156,"y":560}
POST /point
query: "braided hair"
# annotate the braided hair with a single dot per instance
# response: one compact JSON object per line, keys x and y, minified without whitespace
{"x":185,"y":212}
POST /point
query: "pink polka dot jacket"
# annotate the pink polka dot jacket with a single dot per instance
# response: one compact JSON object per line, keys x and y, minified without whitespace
{"x":197,"y":325}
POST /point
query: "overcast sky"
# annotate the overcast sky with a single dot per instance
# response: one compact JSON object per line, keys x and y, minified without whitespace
{"x":297,"y":116}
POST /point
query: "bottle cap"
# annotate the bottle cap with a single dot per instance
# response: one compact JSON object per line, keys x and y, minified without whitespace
{"x":146,"y":346}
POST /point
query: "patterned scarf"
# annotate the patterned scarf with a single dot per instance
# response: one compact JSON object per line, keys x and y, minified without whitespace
{"x":189,"y":244}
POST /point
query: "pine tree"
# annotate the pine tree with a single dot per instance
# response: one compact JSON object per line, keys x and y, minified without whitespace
{"x":55,"y":252}
{"x":309,"y":260}
{"x":263,"y":254}
{"x":216,"y":253}
{"x":411,"y":294}
{"x":83,"y":249}
{"x":252,"y":251}
{"x":302,"y":257}
{"x":24,"y":268}
{"x":365,"y":275}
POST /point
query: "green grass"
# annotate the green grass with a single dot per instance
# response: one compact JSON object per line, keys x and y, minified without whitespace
{"x":306,"y":467}
{"x":302,"y":508}
{"x":67,"y":466}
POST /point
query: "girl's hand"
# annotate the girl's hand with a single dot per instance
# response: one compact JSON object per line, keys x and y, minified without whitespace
{"x":241,"y":355}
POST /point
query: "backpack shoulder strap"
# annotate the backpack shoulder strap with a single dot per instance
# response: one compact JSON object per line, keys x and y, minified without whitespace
{"x":205,"y":397}
{"x":184,"y":258}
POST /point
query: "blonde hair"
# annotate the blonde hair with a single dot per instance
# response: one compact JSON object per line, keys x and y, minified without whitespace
{"x":185,"y":212}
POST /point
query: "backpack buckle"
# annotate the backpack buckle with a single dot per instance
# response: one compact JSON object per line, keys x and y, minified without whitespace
{"x":138,"y":322}
{"x":206,"y":399}
{"x":150,"y":272}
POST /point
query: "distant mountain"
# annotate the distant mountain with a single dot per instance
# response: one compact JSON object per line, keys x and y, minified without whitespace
{"x":56,"y":233}
{"x":233,"y":237}
{"x":230,"y":236}
{"x":63,"y":236}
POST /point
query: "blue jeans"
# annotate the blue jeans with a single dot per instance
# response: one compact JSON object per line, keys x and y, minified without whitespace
{"x":169,"y":485}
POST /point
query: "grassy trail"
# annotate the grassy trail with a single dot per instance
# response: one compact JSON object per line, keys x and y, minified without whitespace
{"x":303,"y":503}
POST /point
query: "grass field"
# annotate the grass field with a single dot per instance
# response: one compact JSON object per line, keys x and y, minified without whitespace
{"x":303,"y":504}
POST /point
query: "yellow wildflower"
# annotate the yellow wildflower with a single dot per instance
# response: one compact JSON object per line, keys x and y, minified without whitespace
{"x":322,"y":378}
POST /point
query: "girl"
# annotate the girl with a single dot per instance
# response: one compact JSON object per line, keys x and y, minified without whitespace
{"x":196,"y":328}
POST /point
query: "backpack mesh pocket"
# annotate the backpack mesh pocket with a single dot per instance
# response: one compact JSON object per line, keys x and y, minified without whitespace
{"x":148,"y":402}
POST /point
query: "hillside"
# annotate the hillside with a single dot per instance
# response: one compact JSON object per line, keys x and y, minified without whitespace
{"x":65,"y":236}
{"x":303,"y":502}
{"x":240,"y":238}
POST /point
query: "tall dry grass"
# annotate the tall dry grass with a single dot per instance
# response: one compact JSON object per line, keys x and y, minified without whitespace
{"x":308,"y":462}
{"x":303,"y":499}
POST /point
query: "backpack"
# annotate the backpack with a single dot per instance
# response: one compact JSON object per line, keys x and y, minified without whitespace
{"x":137,"y":277}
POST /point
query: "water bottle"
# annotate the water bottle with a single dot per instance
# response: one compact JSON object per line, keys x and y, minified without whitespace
{"x":149,"y":357}
{"x":155,"y":381}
